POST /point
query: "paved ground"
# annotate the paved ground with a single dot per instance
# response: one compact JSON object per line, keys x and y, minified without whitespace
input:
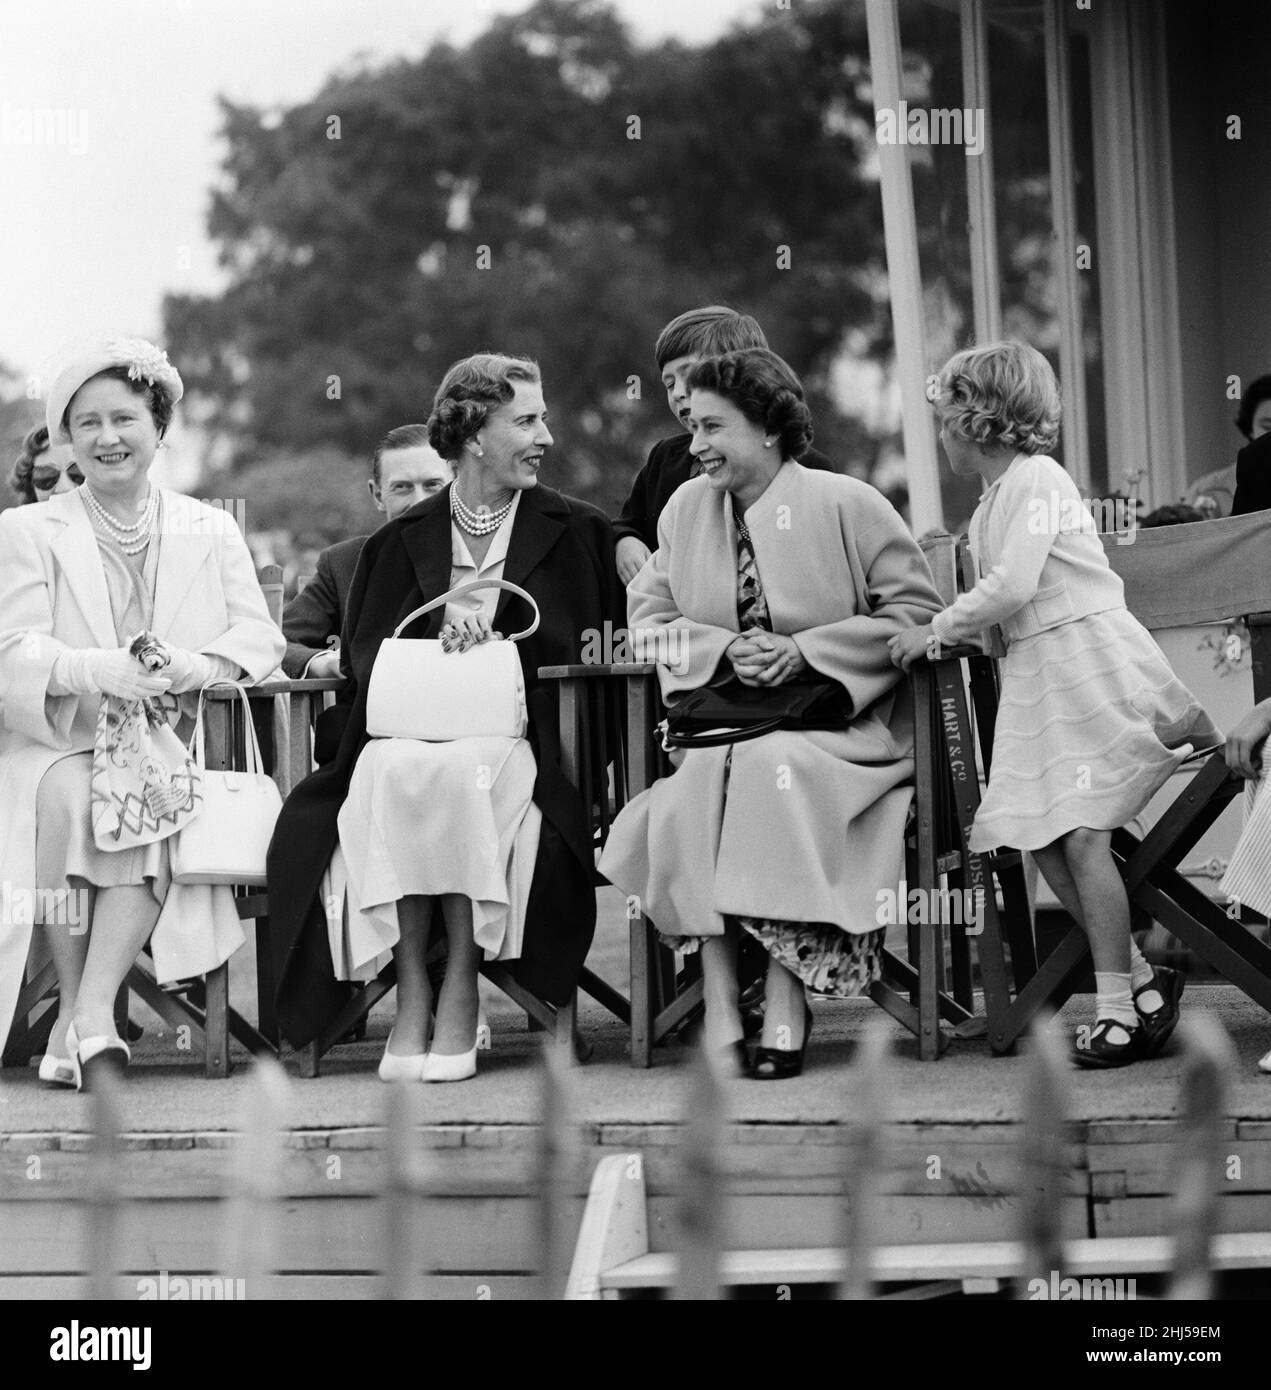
{"x":167,"y":1092}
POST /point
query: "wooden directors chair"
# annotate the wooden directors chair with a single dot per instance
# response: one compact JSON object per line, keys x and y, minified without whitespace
{"x":938,"y":862}
{"x":662,"y":997}
{"x":1177,"y":576}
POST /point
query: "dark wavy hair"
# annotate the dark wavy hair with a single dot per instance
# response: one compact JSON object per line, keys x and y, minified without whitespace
{"x":157,"y":400}
{"x":1256,"y":392}
{"x":468,"y":392}
{"x":707,"y":332}
{"x":35,"y":443}
{"x":765,"y":389}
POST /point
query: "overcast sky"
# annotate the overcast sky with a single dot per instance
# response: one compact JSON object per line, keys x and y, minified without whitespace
{"x":97,"y":226}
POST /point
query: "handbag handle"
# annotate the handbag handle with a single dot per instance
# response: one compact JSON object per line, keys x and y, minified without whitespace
{"x":710,"y":738}
{"x":196,"y":746}
{"x":468,"y":589}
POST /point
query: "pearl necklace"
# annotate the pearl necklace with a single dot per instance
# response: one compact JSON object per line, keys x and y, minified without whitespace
{"x":131,"y":539}
{"x":480,"y":523}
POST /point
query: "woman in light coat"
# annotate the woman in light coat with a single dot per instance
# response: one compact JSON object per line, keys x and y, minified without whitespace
{"x":771,"y":572}
{"x":79,"y":576}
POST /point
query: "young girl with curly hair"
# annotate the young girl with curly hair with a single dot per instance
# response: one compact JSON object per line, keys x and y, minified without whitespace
{"x":1092,"y":721}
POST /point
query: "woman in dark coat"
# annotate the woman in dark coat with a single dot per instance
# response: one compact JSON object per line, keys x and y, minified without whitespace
{"x":490,"y":418}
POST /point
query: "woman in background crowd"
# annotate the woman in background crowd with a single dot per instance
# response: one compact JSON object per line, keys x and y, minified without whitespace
{"x":42,"y":469}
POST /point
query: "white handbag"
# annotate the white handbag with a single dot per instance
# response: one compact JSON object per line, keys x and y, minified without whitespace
{"x":228,"y":840}
{"x":419,"y":691}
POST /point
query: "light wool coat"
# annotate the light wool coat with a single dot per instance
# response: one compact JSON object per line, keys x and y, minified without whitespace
{"x":812,"y":825}
{"x":53,"y":596}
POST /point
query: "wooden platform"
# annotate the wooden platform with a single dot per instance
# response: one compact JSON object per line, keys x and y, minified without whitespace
{"x":952,"y":1158}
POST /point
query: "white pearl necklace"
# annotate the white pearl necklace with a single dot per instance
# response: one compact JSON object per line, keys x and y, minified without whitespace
{"x":131,"y":539}
{"x":480,"y":523}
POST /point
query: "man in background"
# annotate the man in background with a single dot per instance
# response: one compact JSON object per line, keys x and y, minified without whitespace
{"x":405,"y":469}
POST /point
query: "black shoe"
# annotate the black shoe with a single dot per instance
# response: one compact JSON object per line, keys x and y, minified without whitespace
{"x":780,"y":1064}
{"x":1100,"y":1053}
{"x":1160,"y":1023}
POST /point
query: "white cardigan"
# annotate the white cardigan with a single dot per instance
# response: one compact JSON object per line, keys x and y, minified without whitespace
{"x":1039,"y":556}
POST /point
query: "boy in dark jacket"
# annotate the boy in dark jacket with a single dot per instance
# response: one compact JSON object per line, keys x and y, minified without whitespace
{"x":688,"y":337}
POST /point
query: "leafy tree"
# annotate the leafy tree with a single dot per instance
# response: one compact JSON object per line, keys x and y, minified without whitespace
{"x":495,"y":196}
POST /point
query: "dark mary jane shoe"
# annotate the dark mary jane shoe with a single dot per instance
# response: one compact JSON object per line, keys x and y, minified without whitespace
{"x":1160,"y":1023}
{"x":778,"y":1063}
{"x":1100,"y":1053}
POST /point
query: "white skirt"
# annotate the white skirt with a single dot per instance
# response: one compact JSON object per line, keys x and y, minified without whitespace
{"x":1091,"y":724}
{"x":429,"y":819}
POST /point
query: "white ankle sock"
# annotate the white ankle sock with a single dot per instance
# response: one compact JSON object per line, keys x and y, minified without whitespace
{"x":1115,"y":1000}
{"x":1140,"y":971}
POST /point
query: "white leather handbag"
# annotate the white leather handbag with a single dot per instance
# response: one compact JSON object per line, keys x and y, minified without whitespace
{"x":228,"y":840}
{"x":417,"y":690}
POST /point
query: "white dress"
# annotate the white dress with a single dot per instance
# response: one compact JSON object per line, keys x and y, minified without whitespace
{"x":435,"y":818}
{"x":1091,"y":721}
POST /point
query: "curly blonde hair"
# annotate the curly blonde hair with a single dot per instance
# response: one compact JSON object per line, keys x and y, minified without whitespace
{"x":1000,"y":394}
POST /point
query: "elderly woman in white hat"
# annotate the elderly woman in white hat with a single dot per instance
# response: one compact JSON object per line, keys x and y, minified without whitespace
{"x":79,"y":577}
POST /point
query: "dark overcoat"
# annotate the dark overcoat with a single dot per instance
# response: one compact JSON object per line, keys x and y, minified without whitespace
{"x":562,"y":551}
{"x":316,"y":614}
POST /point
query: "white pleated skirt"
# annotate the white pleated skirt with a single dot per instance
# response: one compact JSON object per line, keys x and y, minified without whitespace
{"x":1092,"y":722}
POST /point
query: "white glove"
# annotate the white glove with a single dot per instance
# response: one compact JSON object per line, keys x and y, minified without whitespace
{"x":191,"y":670}
{"x":106,"y":671}
{"x":323,"y":666}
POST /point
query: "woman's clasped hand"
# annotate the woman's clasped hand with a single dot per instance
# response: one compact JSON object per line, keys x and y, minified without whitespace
{"x":765,"y":658}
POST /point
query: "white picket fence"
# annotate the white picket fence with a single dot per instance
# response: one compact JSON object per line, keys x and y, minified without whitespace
{"x":609,"y":1253}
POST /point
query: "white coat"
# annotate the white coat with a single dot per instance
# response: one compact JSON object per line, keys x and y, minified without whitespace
{"x":53,"y":596}
{"x":812,"y":826}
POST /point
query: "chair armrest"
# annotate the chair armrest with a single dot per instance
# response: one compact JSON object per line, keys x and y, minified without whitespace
{"x":960,"y":652}
{"x":269,"y":688}
{"x":601,"y":668}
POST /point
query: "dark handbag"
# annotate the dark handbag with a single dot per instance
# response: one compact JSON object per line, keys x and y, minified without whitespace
{"x":715,"y":715}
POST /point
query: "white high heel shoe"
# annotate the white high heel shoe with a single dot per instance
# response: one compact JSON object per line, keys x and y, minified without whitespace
{"x":1265,"y":1063}
{"x":407,"y":1068}
{"x":457,"y":1066}
{"x":104,"y":1049}
{"x":57,"y":1071}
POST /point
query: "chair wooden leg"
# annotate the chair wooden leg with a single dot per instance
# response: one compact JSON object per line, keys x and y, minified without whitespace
{"x":566,"y":1029}
{"x":308,"y":1059}
{"x":266,"y":1005}
{"x":216,"y":1023}
{"x":642,"y":996}
{"x":930,"y":940}
{"x":38,"y":1000}
{"x":1049,"y":986}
